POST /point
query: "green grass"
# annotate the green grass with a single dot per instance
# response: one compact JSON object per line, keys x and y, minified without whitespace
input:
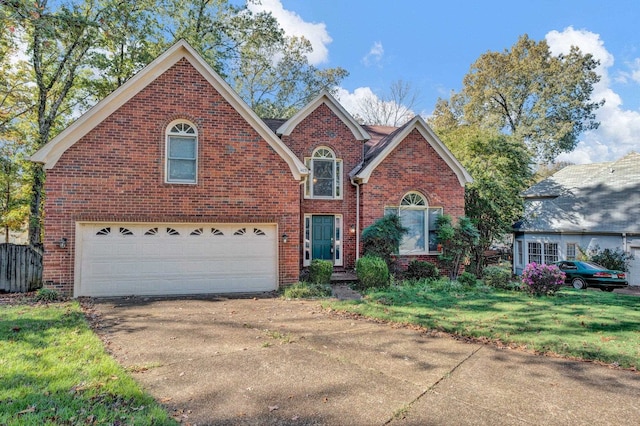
{"x":305,"y":290}
{"x":587,"y":325}
{"x":54,"y":370}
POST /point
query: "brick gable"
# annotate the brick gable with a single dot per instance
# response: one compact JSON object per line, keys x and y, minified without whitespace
{"x":324,"y":128}
{"x":414,"y":166}
{"x":116,"y":172}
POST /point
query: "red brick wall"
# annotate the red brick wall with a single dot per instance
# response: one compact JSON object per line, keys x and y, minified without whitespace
{"x":323,"y":128}
{"x":116,"y":173}
{"x":413,"y":166}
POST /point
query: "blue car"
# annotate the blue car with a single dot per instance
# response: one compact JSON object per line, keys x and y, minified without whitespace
{"x":588,"y":274}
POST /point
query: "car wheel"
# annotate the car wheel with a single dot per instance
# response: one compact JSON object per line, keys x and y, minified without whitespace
{"x":607,"y":289}
{"x":579,"y":283}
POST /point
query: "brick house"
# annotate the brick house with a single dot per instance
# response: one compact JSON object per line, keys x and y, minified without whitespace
{"x":173,"y":185}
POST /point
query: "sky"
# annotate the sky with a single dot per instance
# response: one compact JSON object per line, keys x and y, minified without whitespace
{"x":431,"y":45}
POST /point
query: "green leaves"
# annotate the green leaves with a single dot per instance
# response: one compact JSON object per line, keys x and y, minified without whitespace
{"x":542,"y":100}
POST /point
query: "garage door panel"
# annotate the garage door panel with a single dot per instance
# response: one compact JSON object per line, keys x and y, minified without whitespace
{"x":156,"y":259}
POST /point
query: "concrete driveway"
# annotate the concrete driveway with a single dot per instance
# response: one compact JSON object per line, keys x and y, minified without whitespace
{"x":269,"y":361}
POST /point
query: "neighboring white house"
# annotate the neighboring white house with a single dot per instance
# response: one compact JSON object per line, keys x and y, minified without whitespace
{"x":584,"y":207}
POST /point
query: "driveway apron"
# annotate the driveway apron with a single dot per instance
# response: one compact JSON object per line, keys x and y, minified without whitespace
{"x":270,"y":361}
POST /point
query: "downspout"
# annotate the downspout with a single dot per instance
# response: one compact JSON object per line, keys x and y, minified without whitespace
{"x":357,"y":218}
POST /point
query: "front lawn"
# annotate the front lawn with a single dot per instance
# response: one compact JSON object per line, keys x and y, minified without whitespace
{"x":54,"y":370}
{"x":587,"y":325}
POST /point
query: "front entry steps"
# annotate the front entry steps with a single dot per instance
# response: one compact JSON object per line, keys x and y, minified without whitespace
{"x":343,"y":277}
{"x":341,"y":286}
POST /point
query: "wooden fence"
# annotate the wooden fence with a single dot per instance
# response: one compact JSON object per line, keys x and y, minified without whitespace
{"x":20,"y":268}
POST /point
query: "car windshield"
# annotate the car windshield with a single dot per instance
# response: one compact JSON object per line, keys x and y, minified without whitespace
{"x":593,"y":266}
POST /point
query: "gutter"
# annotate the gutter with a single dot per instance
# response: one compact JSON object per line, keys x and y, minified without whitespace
{"x":357,"y":217}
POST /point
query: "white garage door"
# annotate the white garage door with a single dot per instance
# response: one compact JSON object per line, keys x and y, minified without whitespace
{"x":161,"y":259}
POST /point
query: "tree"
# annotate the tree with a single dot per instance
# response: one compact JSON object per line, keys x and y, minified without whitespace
{"x":546,"y":170}
{"x":501,"y":171}
{"x":540,"y":99}
{"x":58,"y":44}
{"x":269,"y":70}
{"x":277,"y":80}
{"x":14,"y":187}
{"x":457,"y":241}
{"x":131,"y":37}
{"x":382,"y":239}
{"x":391,"y":109}
{"x":81,"y":50}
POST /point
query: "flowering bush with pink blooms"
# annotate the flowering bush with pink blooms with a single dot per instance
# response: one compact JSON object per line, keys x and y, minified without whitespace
{"x":540,"y":280}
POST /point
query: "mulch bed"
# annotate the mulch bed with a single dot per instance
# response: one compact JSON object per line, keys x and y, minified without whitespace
{"x":18,"y":298}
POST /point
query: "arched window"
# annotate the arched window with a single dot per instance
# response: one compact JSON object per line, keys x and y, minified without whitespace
{"x":420,"y":220}
{"x":181,"y":153}
{"x":325,"y":179}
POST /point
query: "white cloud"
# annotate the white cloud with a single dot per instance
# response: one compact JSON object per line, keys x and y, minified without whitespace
{"x":375,"y":55}
{"x":294,"y":25}
{"x":352,"y":101}
{"x":619,"y":128}
{"x":630,"y":76}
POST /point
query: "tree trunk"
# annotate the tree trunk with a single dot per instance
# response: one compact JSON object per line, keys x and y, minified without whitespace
{"x":37,"y":189}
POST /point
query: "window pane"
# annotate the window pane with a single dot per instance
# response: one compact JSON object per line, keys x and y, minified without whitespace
{"x":323,"y":178}
{"x":550,"y":253}
{"x":182,"y":148}
{"x":182,"y":170}
{"x":414,"y":221}
{"x":307,"y":184}
{"x":571,"y":251}
{"x":338,"y":178}
{"x":520,"y":253}
{"x":535,"y":252}
{"x":433,"y":228}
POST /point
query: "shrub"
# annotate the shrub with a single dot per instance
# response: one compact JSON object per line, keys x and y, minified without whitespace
{"x":304,"y":290}
{"x":46,"y":295}
{"x":612,"y":259}
{"x":372,"y":272}
{"x":467,"y":279}
{"x":456,"y":242}
{"x":320,"y":271}
{"x":419,"y":269}
{"x":382,"y":239}
{"x":540,"y":280}
{"x":444,"y":285}
{"x":497,"y":277}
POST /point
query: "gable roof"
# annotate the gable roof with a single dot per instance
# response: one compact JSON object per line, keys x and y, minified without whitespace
{"x":50,"y":153}
{"x":359,"y":133}
{"x":568,"y":177}
{"x":598,"y":197}
{"x":380,"y":149}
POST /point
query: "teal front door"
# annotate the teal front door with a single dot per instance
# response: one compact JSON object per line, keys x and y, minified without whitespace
{"x":322,"y":237}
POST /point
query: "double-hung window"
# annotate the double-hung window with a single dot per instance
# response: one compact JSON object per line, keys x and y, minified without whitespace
{"x":543,"y":252}
{"x":325,"y":179}
{"x":535,"y":252}
{"x":181,"y":153}
{"x":420,"y":220}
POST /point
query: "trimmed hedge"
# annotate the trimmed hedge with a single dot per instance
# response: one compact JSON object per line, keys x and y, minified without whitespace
{"x":372,"y":272}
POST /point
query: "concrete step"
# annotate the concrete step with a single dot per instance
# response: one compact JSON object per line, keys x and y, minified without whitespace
{"x":343,"y":277}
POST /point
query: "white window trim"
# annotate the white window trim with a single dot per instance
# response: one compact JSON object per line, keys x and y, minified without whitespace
{"x":338,"y":234}
{"x":519,"y":253}
{"x":426,"y":209}
{"x":543,"y":244}
{"x":338,"y":171}
{"x":575,"y":251}
{"x":168,"y":134}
